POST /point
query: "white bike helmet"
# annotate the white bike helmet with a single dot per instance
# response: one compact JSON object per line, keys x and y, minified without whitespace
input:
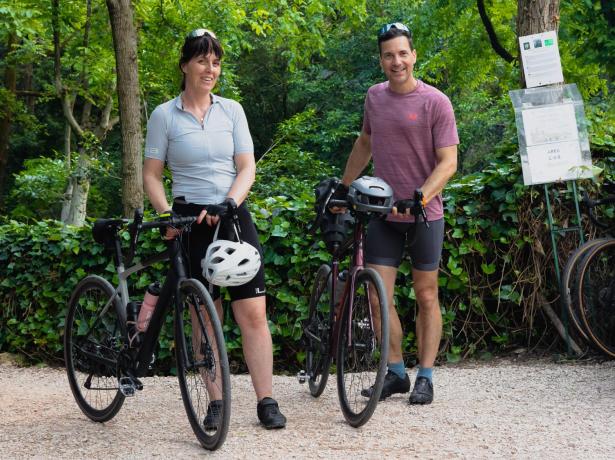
{"x":230,"y":263}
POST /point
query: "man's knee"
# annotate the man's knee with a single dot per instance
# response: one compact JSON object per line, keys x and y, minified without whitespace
{"x":427,"y":297}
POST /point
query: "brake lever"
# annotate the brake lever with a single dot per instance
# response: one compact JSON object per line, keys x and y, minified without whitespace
{"x":323,"y":206}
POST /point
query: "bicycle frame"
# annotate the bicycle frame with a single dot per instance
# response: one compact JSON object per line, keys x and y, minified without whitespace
{"x":357,"y":263}
{"x":141,"y":360}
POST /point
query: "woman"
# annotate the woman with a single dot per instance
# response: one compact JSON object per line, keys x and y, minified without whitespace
{"x":206,"y":143}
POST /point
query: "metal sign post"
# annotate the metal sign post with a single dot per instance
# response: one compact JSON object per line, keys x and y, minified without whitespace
{"x":554,"y":147}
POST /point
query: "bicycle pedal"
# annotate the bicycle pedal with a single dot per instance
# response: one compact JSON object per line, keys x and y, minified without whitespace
{"x":301,"y":376}
{"x":128,"y":386}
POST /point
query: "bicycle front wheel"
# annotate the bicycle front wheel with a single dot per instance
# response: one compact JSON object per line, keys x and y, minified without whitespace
{"x":316,"y":332}
{"x":202,"y":365}
{"x":92,"y":343}
{"x":362,"y":348}
{"x":570,"y":275}
{"x":596,"y":290}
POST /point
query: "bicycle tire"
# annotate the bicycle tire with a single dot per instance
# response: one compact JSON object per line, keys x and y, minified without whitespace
{"x":596,"y":291}
{"x":362,"y":358}
{"x":203,"y":370}
{"x":93,"y":339}
{"x":570,"y":299}
{"x":317,"y":332}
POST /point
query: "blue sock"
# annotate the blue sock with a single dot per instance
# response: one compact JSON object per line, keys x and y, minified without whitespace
{"x":398,"y":368}
{"x":426,"y":372}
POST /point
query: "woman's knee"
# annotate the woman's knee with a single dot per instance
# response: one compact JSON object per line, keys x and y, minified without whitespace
{"x":251,"y":313}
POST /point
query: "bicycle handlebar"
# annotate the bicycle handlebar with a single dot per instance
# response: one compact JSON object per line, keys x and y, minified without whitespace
{"x":415,"y":205}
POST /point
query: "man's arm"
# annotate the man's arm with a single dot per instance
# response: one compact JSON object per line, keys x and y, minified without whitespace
{"x":359,"y":158}
{"x":445,"y":168}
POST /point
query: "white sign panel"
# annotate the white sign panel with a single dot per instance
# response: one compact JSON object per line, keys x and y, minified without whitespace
{"x":555,"y":162}
{"x":550,"y":124}
{"x":541,"y":61}
{"x":553,"y":148}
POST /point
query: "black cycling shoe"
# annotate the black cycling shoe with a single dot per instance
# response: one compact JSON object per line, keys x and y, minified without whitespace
{"x":269,"y":414}
{"x":214,"y":415}
{"x":392,"y":384}
{"x":422,"y":393}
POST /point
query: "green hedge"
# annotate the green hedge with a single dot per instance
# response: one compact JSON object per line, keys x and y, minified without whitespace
{"x":495,"y":264}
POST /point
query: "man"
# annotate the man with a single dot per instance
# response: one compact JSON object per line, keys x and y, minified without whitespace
{"x":409,"y":130}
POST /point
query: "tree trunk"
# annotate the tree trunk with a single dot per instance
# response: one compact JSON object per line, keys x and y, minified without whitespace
{"x":10,"y":83}
{"x":79,"y":185}
{"x":536,"y":16}
{"x":125,"y":45}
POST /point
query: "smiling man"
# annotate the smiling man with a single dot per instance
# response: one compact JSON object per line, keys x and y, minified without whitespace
{"x":410,"y":132}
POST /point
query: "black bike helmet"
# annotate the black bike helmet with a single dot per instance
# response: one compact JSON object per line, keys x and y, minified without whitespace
{"x":371,"y":194}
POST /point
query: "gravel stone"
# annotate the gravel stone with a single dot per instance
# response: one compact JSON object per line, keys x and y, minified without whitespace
{"x":500,"y":409}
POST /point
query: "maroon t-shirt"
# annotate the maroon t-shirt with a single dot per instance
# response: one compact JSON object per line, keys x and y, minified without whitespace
{"x":406,"y":130}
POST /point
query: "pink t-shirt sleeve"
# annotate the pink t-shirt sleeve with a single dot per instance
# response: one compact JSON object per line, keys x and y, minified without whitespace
{"x":444,"y":127}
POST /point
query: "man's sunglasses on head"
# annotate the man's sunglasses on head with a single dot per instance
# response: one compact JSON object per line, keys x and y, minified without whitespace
{"x":196,"y":33}
{"x":394,"y":25}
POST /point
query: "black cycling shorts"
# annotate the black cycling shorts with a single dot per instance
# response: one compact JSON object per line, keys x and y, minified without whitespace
{"x":386,"y":241}
{"x":201,"y":236}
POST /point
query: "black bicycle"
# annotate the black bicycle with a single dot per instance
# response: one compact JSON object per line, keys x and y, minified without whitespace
{"x":104,"y":366}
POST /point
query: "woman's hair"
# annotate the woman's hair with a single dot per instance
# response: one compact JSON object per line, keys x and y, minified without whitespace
{"x":198,"y":46}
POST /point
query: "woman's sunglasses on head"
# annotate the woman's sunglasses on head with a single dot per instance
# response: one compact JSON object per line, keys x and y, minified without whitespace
{"x":196,"y":33}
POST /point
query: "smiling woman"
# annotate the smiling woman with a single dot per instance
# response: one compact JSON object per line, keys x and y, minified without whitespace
{"x":206,"y":143}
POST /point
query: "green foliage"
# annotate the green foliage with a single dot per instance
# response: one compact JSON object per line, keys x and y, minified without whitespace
{"x":301,"y":70}
{"x":38,"y":189}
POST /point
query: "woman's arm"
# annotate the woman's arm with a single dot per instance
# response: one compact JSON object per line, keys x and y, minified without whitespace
{"x":152,"y":183}
{"x":246,"y":172}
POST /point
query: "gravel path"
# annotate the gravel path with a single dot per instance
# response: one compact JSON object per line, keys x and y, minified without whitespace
{"x":502,"y":409}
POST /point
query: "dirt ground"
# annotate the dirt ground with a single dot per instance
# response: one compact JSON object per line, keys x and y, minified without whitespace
{"x":501,"y":409}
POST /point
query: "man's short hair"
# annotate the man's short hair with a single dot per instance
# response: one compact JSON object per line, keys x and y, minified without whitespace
{"x":392,"y":33}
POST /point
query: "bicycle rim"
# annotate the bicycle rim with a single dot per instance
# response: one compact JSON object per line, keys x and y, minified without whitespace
{"x":596,"y":291}
{"x":92,"y":342}
{"x":361,"y":355}
{"x":570,"y":276}
{"x":316,"y":332}
{"x":202,"y":365}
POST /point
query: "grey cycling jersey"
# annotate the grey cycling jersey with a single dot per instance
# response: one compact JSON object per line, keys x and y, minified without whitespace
{"x":200,"y":156}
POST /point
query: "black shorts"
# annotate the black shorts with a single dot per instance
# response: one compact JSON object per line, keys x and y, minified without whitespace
{"x":201,"y":236}
{"x":386,"y":241}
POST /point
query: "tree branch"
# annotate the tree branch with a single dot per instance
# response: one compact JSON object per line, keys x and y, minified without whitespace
{"x":608,"y":10}
{"x":493,"y":38}
{"x":60,"y":90}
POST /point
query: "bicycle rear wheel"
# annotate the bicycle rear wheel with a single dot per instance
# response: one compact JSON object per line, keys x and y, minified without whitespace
{"x":202,"y":365}
{"x":362,"y":349}
{"x":596,"y":292}
{"x":92,"y":342}
{"x":316,"y":332}
{"x":570,"y":275}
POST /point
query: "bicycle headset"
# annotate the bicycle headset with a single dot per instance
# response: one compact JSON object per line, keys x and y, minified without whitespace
{"x":370,"y":194}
